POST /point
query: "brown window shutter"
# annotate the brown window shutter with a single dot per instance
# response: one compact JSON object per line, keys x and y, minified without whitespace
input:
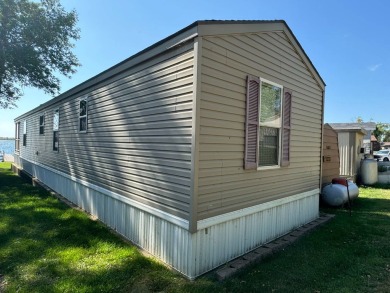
{"x":252,"y":123}
{"x":286,"y":131}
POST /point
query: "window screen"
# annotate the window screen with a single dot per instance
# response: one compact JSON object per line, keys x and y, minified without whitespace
{"x":268,"y":146}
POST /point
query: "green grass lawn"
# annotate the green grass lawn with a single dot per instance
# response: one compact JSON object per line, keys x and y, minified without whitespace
{"x":46,"y":246}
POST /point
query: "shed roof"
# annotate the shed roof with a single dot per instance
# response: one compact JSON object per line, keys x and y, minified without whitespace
{"x":196,"y":29}
{"x":348,"y":127}
{"x":351,"y":126}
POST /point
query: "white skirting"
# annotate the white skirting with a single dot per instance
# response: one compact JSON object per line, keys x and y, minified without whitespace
{"x":218,"y":239}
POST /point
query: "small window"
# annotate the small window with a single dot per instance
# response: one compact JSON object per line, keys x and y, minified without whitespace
{"x":17,"y":137}
{"x":56,"y":141}
{"x":83,"y":115}
{"x":42,"y":124}
{"x":56,"y":119}
{"x":56,"y":123}
{"x":25,"y":133}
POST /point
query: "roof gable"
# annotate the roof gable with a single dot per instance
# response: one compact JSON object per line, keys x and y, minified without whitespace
{"x":224,"y":27}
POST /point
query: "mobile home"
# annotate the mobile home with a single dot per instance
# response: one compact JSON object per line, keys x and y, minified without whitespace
{"x":198,"y":149}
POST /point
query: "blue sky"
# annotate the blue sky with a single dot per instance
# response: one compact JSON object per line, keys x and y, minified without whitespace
{"x":347,"y":41}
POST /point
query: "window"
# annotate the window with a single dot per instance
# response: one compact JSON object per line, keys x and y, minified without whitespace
{"x":268,"y":124}
{"x":83,"y":115}
{"x":42,"y":124}
{"x":56,"y":123}
{"x":17,"y":137}
{"x":25,"y":133}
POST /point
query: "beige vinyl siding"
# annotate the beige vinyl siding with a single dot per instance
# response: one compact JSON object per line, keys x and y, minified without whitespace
{"x":224,"y":185}
{"x":138,"y":142}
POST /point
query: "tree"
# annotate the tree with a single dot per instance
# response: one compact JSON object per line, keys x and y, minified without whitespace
{"x":382,"y":131}
{"x":35,"y":44}
{"x":386,"y":137}
{"x":359,"y":119}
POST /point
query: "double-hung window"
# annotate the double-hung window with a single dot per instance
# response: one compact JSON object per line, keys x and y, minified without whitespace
{"x":42,"y":124}
{"x":83,"y":114}
{"x":25,"y":133}
{"x":56,"y":123}
{"x":268,"y":124}
{"x":17,"y":137}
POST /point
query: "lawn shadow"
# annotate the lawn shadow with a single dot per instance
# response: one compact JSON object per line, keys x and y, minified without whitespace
{"x":46,"y":246}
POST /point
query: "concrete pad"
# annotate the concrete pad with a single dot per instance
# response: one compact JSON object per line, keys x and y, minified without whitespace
{"x":225,"y":272}
{"x":239,"y":263}
{"x":290,"y":238}
{"x":263,"y":251}
{"x":251,"y":256}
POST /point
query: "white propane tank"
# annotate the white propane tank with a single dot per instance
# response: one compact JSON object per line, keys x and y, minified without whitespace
{"x":369,"y":171}
{"x":337,"y":194}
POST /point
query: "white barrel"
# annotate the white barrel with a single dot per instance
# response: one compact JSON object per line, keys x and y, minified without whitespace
{"x":337,"y":194}
{"x":369,"y":171}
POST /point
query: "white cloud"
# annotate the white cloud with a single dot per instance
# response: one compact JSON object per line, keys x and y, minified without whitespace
{"x":374,"y":67}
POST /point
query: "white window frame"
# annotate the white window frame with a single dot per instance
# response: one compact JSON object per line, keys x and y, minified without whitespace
{"x":85,"y":98}
{"x":280,"y":126}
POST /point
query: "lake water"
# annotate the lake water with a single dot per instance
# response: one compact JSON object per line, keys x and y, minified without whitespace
{"x":8,"y":146}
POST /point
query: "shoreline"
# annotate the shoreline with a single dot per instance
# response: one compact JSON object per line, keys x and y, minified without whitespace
{"x":8,"y":158}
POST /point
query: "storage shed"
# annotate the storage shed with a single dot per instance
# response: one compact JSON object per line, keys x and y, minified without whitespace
{"x":330,"y":155}
{"x":351,"y":147}
{"x":198,"y":149}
